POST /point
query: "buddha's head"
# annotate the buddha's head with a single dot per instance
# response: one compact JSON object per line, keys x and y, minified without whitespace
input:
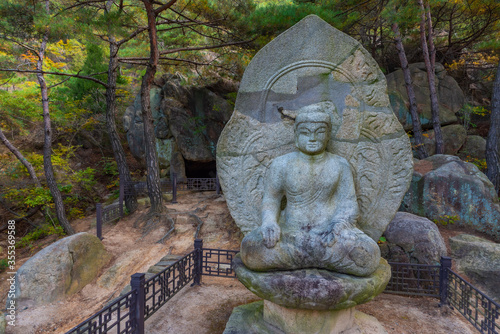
{"x":312,"y":128}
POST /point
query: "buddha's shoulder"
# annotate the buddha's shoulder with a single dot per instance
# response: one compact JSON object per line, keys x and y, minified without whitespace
{"x":337,"y":159}
{"x":285,"y":159}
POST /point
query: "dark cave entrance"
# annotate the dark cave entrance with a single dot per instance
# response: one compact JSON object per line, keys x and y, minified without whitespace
{"x":196,"y":169}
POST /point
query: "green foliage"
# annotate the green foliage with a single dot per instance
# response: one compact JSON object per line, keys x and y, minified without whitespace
{"x":446,"y":220}
{"x":77,"y":186}
{"x":468,"y":112}
{"x":38,"y":233}
{"x":199,"y":124}
{"x":381,"y":240}
{"x":480,"y":163}
{"x":108,"y":166}
{"x":4,"y":264}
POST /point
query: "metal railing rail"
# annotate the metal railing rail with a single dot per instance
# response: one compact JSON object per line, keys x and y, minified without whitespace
{"x":128,"y":313}
{"x":414,"y":279}
{"x":116,"y":211}
{"x":482,"y":312}
{"x":160,"y":288}
{"x":117,"y":317}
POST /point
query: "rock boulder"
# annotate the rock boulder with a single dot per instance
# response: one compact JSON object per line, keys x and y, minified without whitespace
{"x":474,"y":147}
{"x":60,"y":270}
{"x":454,"y":137}
{"x":444,"y":186}
{"x":479,"y":259}
{"x":413,"y":239}
{"x":187,"y":121}
{"x":450,"y":96}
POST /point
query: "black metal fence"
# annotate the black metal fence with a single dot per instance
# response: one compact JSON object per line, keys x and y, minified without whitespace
{"x":128,"y":313}
{"x":164,"y":285}
{"x":414,"y":279}
{"x":116,"y":211}
{"x":118,"y":317}
{"x":218,"y":262}
{"x":482,"y":312}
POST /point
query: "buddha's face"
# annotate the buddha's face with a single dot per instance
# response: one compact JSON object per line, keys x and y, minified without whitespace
{"x":311,"y":137}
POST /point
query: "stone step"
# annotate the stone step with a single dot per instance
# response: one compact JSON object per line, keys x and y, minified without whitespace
{"x":165,"y":262}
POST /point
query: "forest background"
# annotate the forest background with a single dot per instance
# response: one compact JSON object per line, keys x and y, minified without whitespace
{"x":69,"y":69}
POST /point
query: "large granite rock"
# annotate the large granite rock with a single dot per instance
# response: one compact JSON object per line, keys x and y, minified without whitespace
{"x":443,"y":185}
{"x":450,"y":96}
{"x":413,"y":239}
{"x":187,"y":122}
{"x":454,"y":137}
{"x":479,"y":259}
{"x":474,"y":147}
{"x":59,"y":270}
{"x":309,"y":63}
{"x":314,"y":289}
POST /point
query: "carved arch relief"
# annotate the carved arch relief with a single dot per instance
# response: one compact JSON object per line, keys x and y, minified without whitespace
{"x":364,"y":131}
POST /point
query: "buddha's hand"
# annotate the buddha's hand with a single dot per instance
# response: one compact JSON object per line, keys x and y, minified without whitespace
{"x":270,"y":234}
{"x":338,"y":229}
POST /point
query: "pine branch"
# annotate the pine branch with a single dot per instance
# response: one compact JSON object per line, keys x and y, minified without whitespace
{"x":59,"y":73}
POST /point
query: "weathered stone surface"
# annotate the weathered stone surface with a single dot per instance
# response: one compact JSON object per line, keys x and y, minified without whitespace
{"x":187,"y":122}
{"x":453,"y":136}
{"x":323,"y":238}
{"x":413,"y":239}
{"x":314,"y":289}
{"x":308,"y":321}
{"x":309,"y":63}
{"x":3,"y":323}
{"x":249,"y":319}
{"x":443,"y":185}
{"x":479,"y":259}
{"x":59,"y":270}
{"x":450,"y":96}
{"x":474,"y":147}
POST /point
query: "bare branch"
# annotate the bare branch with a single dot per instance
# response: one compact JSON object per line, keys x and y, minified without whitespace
{"x":21,"y":44}
{"x":59,"y":83}
{"x":132,"y":35}
{"x":80,"y":4}
{"x":205,"y":47}
{"x":165,"y":7}
{"x":59,"y":73}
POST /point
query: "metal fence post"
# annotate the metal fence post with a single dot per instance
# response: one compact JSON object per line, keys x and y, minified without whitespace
{"x":174,"y":188}
{"x":198,"y":259}
{"x":98,"y":218}
{"x":137,"y":309}
{"x":217,"y":184}
{"x":443,"y":280}
{"x":122,"y":193}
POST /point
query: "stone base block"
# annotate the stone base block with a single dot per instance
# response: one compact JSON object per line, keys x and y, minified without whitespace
{"x":264,"y":317}
{"x":291,"y":320}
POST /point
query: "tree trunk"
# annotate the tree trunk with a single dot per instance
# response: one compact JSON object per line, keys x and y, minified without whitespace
{"x":153,"y":170}
{"x":431,"y":77}
{"x":417,"y":127}
{"x":47,"y":146}
{"x":30,"y":169}
{"x":493,"y":140}
{"x":21,"y":158}
{"x":119,"y":153}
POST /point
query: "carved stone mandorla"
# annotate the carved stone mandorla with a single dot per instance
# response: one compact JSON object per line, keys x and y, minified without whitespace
{"x":365,"y":131}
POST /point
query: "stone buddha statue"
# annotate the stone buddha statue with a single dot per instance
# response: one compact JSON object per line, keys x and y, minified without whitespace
{"x":309,"y":209}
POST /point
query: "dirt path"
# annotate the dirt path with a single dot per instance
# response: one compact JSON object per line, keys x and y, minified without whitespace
{"x":206,"y":308}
